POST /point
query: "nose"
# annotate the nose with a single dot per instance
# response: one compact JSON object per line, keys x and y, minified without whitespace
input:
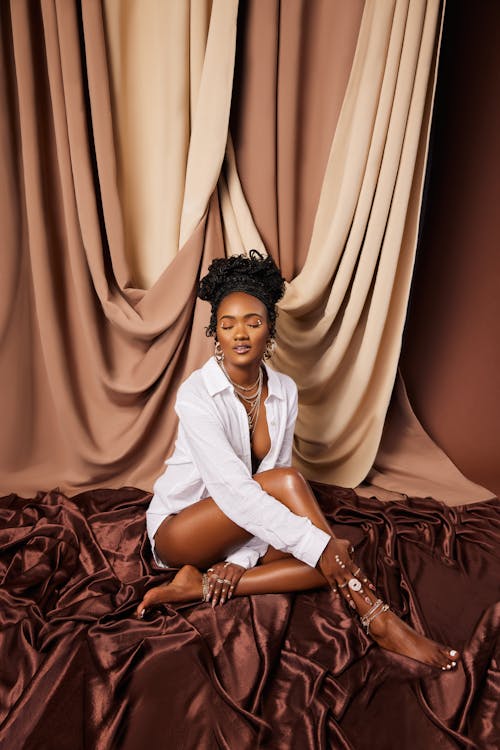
{"x":240,"y":331}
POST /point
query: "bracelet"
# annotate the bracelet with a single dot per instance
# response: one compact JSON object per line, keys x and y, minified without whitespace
{"x":204,"y":587}
{"x":375,"y":610}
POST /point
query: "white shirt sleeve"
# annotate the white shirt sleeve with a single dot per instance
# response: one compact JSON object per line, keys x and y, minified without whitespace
{"x":248,"y":554}
{"x":285,"y":456}
{"x":237,"y":494}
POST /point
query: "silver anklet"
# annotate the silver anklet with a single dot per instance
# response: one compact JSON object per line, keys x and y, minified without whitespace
{"x":375,"y":610}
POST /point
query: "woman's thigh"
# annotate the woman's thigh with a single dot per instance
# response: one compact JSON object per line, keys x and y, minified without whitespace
{"x":199,"y":535}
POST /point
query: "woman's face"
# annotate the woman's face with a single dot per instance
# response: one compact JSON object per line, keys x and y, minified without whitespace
{"x":242,"y":329}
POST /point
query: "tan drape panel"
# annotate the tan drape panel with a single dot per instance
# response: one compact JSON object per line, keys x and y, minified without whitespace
{"x":171,"y":69}
{"x":366,"y":225}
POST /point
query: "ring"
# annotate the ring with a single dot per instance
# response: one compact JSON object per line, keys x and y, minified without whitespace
{"x":354,"y":584}
{"x":226,"y":581}
{"x":342,"y":585}
{"x":220,"y":580}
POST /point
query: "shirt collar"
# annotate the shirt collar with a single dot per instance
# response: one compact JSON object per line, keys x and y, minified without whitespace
{"x":216,"y":381}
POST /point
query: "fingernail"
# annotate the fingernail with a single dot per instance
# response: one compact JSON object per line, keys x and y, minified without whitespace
{"x":452,"y":652}
{"x":142,"y":613}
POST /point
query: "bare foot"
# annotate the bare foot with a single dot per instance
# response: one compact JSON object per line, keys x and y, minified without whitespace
{"x":185,"y":587}
{"x":395,"y":635}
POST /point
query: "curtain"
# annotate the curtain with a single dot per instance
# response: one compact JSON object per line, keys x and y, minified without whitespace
{"x":299,"y":128}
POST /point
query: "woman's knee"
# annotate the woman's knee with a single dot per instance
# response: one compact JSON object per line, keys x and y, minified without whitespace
{"x":285,"y":476}
{"x":285,"y":484}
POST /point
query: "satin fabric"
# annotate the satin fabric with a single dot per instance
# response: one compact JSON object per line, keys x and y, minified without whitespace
{"x":273,"y":671}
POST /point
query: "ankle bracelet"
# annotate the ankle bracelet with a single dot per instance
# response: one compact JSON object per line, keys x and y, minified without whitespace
{"x":377,"y":609}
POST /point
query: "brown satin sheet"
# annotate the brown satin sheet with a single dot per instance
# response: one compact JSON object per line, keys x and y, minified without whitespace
{"x":285,"y":672}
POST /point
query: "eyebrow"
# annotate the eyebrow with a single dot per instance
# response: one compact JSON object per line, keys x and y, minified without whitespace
{"x":248,"y":315}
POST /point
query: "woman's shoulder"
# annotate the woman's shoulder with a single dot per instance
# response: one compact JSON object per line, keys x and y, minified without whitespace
{"x":193,"y":383}
{"x":206,"y":380}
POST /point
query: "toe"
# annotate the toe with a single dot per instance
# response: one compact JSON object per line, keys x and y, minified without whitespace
{"x":449,"y":659}
{"x":151,"y":597}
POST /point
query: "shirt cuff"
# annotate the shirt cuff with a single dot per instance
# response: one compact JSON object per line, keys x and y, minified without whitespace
{"x":245,"y":557}
{"x":312,"y":545}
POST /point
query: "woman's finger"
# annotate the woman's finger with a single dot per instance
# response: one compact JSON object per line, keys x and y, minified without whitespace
{"x":217,"y":592}
{"x":357,"y":587}
{"x":228,"y":583}
{"x":212,"y":580}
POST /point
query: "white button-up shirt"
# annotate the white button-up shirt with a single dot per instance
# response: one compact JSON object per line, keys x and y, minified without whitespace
{"x":212,"y":458}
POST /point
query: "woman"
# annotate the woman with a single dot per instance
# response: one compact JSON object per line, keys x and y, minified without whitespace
{"x":229,"y":502}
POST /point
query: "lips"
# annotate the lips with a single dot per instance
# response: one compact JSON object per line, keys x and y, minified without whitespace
{"x":241,"y":349}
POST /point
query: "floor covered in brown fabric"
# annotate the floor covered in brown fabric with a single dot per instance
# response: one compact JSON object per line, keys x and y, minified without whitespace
{"x":288,"y":672}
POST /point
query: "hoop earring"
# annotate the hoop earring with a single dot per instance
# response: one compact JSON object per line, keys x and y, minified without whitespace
{"x":270,"y":347}
{"x":219,"y":354}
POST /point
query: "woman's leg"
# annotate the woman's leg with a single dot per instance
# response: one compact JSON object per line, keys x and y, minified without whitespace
{"x":202,"y":535}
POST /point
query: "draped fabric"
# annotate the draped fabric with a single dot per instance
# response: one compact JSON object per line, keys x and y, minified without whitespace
{"x":138,"y":142}
{"x":269,"y":671}
{"x":122,"y":181}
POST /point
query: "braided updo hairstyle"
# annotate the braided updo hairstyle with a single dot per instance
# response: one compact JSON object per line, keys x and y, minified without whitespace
{"x":253,"y":274}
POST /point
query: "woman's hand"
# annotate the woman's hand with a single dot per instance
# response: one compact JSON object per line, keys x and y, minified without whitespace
{"x":222,"y":580}
{"x":336,"y":554}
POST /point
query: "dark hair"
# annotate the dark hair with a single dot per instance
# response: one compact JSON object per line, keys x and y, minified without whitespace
{"x":254,"y":274}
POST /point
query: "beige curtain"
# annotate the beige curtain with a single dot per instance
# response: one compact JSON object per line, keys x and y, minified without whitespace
{"x":171,"y":66}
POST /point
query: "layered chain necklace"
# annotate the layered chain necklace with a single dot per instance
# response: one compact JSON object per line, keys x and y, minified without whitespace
{"x":254,"y":400}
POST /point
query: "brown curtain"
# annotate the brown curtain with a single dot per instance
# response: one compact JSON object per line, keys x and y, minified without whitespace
{"x":457,"y":276}
{"x":321,"y":163}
